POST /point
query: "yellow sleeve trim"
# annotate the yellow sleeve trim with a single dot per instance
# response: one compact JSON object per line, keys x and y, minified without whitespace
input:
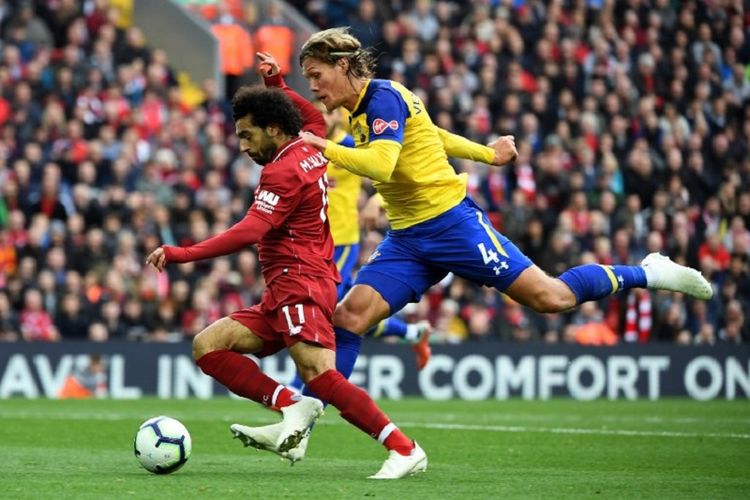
{"x":376,"y":161}
{"x":460,"y":147}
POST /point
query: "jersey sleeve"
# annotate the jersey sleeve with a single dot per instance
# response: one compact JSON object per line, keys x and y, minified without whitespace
{"x":249,"y":231}
{"x":277,"y":195}
{"x":386,"y":115}
{"x":460,"y":147}
{"x":347,"y":141}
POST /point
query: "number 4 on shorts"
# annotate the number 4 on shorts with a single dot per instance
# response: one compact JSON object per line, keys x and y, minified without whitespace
{"x":488,"y":255}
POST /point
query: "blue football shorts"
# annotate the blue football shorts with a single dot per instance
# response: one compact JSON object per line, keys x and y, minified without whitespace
{"x":462,"y":241}
{"x":345,"y":257}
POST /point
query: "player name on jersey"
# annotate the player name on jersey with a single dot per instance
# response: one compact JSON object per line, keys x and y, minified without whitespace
{"x":314,"y":161}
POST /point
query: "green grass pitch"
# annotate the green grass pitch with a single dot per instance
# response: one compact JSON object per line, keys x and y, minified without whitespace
{"x":494,"y":449}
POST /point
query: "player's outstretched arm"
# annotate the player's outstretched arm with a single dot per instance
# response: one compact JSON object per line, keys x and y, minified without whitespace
{"x":376,"y":160}
{"x":249,"y":231}
{"x":312,"y":118}
{"x":498,"y":152}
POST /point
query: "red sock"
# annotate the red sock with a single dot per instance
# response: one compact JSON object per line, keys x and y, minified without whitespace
{"x":284,"y":398}
{"x":360,"y":410}
{"x":244,"y":378}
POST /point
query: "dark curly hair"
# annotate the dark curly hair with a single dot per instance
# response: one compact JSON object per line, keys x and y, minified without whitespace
{"x":267,"y":106}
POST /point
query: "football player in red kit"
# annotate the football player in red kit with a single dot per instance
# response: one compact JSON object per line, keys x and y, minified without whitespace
{"x":288,"y":222}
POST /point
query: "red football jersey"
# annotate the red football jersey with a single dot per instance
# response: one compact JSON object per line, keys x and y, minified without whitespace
{"x":289,"y":217}
{"x":292,"y":197}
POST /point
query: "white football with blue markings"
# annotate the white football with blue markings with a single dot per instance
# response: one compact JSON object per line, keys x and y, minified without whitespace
{"x":162,"y":445}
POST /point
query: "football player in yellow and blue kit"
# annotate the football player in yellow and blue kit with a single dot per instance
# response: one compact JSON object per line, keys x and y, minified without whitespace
{"x":344,"y":190}
{"x":435,"y":227}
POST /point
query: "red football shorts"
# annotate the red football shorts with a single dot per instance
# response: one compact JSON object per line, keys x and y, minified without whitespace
{"x":292,"y":309}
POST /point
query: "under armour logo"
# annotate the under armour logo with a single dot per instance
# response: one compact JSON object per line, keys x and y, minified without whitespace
{"x":503,"y":265}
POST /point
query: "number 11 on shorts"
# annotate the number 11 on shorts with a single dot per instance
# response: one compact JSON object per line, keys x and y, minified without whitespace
{"x":294,"y":329}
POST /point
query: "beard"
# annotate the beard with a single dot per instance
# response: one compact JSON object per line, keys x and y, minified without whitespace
{"x":264,"y":154}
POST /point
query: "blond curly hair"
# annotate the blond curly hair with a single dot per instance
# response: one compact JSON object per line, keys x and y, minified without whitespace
{"x":336,"y":43}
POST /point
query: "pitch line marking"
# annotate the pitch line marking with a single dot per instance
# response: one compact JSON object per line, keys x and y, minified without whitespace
{"x":114,"y":416}
{"x":572,"y":430}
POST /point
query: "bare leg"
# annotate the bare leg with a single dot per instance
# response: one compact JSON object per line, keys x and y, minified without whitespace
{"x":361,"y":308}
{"x":541,"y":292}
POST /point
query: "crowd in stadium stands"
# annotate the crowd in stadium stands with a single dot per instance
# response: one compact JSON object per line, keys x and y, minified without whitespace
{"x":632,"y":120}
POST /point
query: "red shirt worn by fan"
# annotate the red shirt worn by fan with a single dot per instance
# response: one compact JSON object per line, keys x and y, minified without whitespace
{"x":289,"y":217}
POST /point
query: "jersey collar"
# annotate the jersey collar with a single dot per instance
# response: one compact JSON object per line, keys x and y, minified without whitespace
{"x":285,"y":147}
{"x":361,"y":96}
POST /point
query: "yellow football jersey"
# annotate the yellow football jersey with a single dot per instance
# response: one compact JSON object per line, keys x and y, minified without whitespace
{"x":343,"y":198}
{"x":423,"y":184}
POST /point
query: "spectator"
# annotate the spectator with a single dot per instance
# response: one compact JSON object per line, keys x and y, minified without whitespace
{"x":236,"y":47}
{"x":589,"y":327}
{"x":36,"y":323}
{"x":274,"y":36}
{"x":71,"y":320}
{"x":9,"y":327}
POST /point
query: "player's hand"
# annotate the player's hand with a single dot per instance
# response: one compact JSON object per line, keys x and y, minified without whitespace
{"x":370,"y":214}
{"x":158,"y":259}
{"x":267,"y":65}
{"x":313,"y":140}
{"x":505,"y":149}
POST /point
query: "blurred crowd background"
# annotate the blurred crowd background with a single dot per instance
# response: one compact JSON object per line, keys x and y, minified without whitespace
{"x":631,"y":118}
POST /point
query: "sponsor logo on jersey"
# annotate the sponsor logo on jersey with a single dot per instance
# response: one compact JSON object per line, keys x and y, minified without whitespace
{"x":266,"y":201}
{"x":379,"y":125}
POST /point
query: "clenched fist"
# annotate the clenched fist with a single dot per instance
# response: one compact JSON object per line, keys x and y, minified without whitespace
{"x":505,"y":149}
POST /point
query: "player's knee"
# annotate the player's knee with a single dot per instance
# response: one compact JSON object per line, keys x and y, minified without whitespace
{"x":552,"y":300}
{"x":208,"y":340}
{"x":309,"y":372}
{"x":201,"y":346}
{"x":309,"y":367}
{"x":352,"y":315}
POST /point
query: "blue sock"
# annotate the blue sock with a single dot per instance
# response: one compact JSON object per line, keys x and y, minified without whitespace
{"x":297,"y":383}
{"x":595,"y":281}
{"x":389,"y":327}
{"x":348,"y":345}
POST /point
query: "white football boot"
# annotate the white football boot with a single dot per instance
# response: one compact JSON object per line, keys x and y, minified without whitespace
{"x":664,"y":274}
{"x":298,"y":418}
{"x":397,"y":466}
{"x":265,"y":438}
